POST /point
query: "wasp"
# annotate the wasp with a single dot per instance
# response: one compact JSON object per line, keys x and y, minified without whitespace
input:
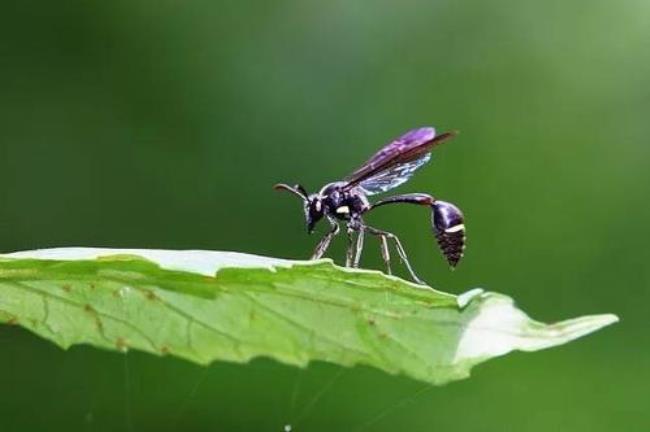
{"x":347,"y":202}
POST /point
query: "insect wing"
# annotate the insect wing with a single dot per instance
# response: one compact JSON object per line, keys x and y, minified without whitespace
{"x":393,"y":176}
{"x":394,"y":164}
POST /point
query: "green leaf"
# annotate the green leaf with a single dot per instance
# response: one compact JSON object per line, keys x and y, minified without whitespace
{"x":204,"y":306}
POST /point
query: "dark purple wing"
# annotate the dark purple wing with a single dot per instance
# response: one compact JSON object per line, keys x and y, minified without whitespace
{"x":392,"y":177}
{"x":394,"y":164}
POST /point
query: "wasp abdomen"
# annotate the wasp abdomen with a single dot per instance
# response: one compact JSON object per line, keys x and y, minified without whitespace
{"x":449,"y":229}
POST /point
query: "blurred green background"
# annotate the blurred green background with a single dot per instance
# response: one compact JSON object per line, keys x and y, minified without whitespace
{"x":164,"y":124}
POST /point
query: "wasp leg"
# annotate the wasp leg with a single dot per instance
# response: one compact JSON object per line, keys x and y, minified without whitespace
{"x":355,"y":247}
{"x":350,"y":256}
{"x":324,"y":244}
{"x":398,"y":245}
{"x":385,"y":253}
{"x":358,"y":248}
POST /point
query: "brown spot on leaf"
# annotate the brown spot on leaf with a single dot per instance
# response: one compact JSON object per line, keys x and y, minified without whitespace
{"x":371,"y":321}
{"x":151,"y":295}
{"x":88,"y":308}
{"x":164,"y":350}
{"x":121,"y":344}
{"x":12,"y":321}
{"x":67,"y":288}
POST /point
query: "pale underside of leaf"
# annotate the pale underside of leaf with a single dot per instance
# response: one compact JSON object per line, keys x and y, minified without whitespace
{"x":205,"y":306}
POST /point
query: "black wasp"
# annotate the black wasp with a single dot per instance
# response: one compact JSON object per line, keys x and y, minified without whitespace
{"x":390,"y":167}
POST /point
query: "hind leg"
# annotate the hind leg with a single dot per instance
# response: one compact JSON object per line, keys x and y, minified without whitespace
{"x":384,"y":236}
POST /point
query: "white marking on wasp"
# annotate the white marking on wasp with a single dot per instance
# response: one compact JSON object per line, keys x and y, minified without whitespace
{"x":318,"y":205}
{"x":455,"y":228}
{"x":343,"y":210}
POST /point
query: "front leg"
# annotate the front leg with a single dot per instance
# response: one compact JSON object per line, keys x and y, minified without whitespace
{"x":324,"y":244}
